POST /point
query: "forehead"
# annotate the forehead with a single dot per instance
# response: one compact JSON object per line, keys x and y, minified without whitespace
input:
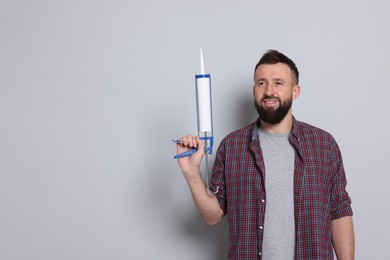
{"x":270,"y":71}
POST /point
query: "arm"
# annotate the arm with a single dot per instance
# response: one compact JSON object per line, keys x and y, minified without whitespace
{"x":343,"y":238}
{"x":206,"y":203}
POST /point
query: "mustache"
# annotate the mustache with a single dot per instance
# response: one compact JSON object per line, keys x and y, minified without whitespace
{"x":266,"y":97}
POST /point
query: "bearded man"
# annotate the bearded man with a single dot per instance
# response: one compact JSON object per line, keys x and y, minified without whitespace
{"x":280,"y":182}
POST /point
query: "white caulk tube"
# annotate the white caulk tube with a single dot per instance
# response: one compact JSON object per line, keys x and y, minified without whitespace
{"x":204,"y":106}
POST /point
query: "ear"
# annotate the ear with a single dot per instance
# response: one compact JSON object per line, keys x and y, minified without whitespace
{"x":296,"y":91}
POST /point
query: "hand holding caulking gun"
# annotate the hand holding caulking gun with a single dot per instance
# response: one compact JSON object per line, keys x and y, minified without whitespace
{"x":205,"y":121}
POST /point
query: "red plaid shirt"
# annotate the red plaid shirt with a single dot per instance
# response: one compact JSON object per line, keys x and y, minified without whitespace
{"x":319,"y":191}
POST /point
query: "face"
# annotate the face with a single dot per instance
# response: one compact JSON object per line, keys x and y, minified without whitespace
{"x":274,"y":90}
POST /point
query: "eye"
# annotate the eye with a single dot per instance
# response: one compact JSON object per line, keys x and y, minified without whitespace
{"x":261,"y":84}
{"x":279,"y":83}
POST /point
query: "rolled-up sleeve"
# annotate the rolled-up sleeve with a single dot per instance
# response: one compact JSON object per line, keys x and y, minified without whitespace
{"x":341,"y":202}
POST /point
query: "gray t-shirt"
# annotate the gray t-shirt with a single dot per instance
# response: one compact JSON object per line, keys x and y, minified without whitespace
{"x":279,"y":224}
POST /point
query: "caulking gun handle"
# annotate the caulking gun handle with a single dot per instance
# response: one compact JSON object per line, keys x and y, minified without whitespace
{"x":188,"y":153}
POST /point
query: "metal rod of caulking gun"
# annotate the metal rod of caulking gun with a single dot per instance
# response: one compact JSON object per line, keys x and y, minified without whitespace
{"x":206,"y":146}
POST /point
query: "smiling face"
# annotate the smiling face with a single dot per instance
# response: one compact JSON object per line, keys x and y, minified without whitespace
{"x":274,"y":90}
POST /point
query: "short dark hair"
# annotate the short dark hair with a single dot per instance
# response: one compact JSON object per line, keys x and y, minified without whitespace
{"x":273,"y":57}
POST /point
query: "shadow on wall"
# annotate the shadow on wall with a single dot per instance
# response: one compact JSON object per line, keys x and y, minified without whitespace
{"x":247,"y":111}
{"x":242,"y":112}
{"x":184,"y":219}
{"x":216,"y":237}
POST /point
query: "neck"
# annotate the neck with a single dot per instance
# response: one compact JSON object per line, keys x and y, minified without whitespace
{"x":284,"y":127}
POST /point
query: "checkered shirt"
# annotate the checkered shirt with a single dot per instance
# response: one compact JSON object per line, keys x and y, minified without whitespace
{"x":319,"y":190}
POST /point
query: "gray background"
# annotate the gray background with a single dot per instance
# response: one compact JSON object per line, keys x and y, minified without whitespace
{"x":91,"y":93}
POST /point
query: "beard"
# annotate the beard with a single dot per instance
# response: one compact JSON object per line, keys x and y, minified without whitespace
{"x":273,"y":116}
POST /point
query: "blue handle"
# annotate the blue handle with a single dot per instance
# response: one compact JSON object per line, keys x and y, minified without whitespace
{"x":188,"y":153}
{"x":192,"y":151}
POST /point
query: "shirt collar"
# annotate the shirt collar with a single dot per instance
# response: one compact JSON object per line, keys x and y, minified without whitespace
{"x":295,"y":132}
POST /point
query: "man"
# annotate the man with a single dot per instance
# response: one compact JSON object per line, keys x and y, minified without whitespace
{"x":280,"y":182}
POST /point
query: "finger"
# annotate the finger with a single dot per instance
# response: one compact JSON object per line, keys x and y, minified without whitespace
{"x":199,"y":143}
{"x":194,"y":141}
{"x":184,"y":140}
{"x":200,"y":152}
{"x":191,"y":141}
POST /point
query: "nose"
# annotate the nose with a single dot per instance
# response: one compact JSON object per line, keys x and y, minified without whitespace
{"x":269,"y":89}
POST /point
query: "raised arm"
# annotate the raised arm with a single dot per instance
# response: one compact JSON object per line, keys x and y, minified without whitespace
{"x":206,"y":202}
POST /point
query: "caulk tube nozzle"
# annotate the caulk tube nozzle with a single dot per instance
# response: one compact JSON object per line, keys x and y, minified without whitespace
{"x":201,"y":62}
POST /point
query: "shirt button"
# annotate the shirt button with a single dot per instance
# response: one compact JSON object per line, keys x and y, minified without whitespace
{"x":261,"y":227}
{"x":259,"y":253}
{"x":263,"y":200}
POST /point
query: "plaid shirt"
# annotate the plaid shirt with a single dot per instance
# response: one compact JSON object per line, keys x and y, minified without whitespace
{"x":319,"y":191}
